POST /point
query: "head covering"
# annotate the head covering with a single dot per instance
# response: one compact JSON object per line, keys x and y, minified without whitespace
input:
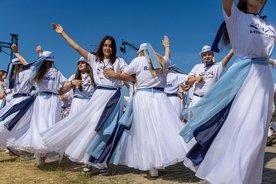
{"x":81,"y":59}
{"x":16,"y":61}
{"x":48,"y":56}
{"x":142,"y":47}
{"x":205,"y":48}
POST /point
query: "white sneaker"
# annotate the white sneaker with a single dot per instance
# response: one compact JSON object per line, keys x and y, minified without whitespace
{"x":153,"y":172}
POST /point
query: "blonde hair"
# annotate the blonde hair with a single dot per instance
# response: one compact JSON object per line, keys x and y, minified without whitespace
{"x":162,"y":61}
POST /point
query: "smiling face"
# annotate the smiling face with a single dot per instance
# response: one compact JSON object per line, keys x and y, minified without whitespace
{"x":207,"y":56}
{"x":82,"y":66}
{"x":107,"y":49}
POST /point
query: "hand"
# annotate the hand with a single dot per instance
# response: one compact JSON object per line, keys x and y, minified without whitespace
{"x":14,"y":48}
{"x":38,"y":49}
{"x":166,"y":42}
{"x":8,"y":91}
{"x":34,"y":92}
{"x":76,"y":83}
{"x":109,"y":72}
{"x":58,"y":28}
{"x":199,"y":78}
{"x":186,"y":87}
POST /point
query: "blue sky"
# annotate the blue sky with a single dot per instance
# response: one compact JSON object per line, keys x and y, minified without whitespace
{"x":188,"y":24}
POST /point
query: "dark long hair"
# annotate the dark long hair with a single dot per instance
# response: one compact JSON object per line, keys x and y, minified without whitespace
{"x":242,"y":6}
{"x":99,"y":53}
{"x":89,"y":71}
{"x":42,"y":71}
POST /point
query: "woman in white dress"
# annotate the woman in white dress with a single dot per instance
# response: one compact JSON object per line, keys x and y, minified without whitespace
{"x":239,"y":104}
{"x":73,"y":135}
{"x":46,"y":107}
{"x":18,"y":83}
{"x":83,"y":93}
{"x":152,"y":142}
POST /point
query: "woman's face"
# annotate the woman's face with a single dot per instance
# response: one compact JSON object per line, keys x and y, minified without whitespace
{"x":82,"y":66}
{"x":107,"y":49}
{"x":254,"y":6}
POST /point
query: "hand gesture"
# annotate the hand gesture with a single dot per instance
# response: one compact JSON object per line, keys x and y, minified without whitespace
{"x":165,"y":41}
{"x":39,"y":50}
{"x":58,"y":28}
{"x":14,"y":48}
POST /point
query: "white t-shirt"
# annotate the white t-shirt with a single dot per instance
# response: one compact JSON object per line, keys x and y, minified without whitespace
{"x":98,"y":68}
{"x":145,"y":79}
{"x":211,"y":75}
{"x":87,"y":87}
{"x":173,"y":82}
{"x":22,"y":84}
{"x":254,"y":39}
{"x":51,"y":81}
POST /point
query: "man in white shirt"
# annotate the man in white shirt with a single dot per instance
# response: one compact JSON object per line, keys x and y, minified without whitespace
{"x":209,"y":70}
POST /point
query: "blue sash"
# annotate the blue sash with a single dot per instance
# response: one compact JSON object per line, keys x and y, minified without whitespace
{"x":22,"y":107}
{"x":220,"y":95}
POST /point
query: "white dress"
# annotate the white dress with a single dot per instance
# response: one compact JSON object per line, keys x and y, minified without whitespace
{"x":22,"y":86}
{"x":172,"y":87}
{"x":46,"y":112}
{"x":236,"y":155}
{"x":74,"y":134}
{"x":153,"y":140}
{"x":80,"y":98}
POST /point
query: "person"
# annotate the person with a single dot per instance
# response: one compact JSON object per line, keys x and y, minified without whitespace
{"x":46,"y":81}
{"x":3,"y":75}
{"x":83,"y":93}
{"x":74,"y":134}
{"x":209,"y":70}
{"x":271,"y":136}
{"x":152,"y":141}
{"x":231,"y":127}
{"x":18,"y":84}
{"x":175,"y":80}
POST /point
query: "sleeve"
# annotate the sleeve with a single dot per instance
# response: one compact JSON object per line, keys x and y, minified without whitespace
{"x":62,"y":79}
{"x":72,"y":77}
{"x":122,"y":64}
{"x":132,"y":67}
{"x":91,"y":59}
{"x":235,"y":12}
{"x":182,"y":78}
{"x":193,"y":71}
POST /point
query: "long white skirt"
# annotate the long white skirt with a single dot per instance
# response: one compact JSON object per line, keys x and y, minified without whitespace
{"x":177,"y":103}
{"x":237,"y":154}
{"x":153,"y":140}
{"x":6,"y":136}
{"x":46,"y":112}
{"x":77,"y":104}
{"x":74,"y":134}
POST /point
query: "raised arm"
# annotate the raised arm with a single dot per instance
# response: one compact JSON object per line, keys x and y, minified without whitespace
{"x":14,"y":48}
{"x":227,"y":58}
{"x":166,"y":44}
{"x":39,"y":50}
{"x":59,"y":29}
{"x":227,"y":4}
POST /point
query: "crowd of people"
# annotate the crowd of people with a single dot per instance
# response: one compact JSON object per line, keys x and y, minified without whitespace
{"x":84,"y":118}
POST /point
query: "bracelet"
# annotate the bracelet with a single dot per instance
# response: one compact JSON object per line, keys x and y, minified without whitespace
{"x":72,"y":83}
{"x":274,"y":61}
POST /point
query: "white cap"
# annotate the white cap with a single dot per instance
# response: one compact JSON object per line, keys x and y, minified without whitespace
{"x":16,"y":61}
{"x":81,"y":59}
{"x":142,"y":47}
{"x":48,"y":56}
{"x":205,"y":48}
